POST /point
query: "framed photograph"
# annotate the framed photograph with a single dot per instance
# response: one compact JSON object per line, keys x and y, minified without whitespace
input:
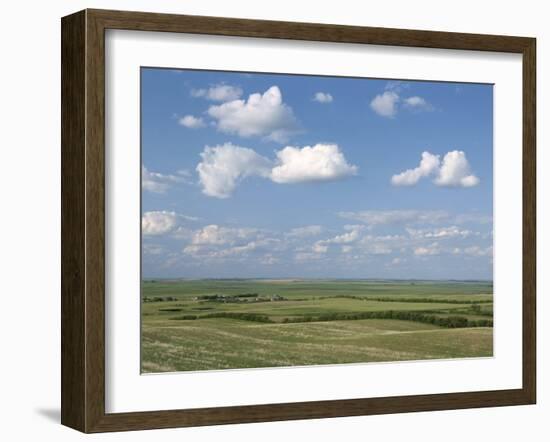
{"x":267,"y":221}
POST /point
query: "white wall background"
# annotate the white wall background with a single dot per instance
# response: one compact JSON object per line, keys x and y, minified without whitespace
{"x":30,"y":217}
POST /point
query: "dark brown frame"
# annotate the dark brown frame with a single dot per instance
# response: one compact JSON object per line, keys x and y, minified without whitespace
{"x":83,"y":217}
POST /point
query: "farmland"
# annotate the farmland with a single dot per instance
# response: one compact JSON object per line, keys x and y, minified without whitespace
{"x":244,"y":323}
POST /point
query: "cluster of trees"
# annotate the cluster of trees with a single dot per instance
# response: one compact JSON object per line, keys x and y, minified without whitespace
{"x":442,"y":321}
{"x":212,"y":297}
{"x":243,"y":297}
{"x":158,"y":299}
{"x":417,"y":300}
{"x":476,"y":310}
{"x":222,"y":296}
{"x":254,"y":317}
{"x":187,"y":317}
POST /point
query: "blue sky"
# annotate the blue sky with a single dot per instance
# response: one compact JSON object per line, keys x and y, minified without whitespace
{"x":262,"y":175}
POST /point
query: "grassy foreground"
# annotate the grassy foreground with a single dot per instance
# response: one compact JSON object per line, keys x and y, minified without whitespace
{"x":220,"y":324}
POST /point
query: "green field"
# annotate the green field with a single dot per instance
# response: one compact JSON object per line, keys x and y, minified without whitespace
{"x":244,"y":323}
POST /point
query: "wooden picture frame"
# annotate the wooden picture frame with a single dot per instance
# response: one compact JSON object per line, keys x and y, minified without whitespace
{"x":83,"y":220}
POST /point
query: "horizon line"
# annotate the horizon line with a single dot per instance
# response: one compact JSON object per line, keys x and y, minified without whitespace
{"x":311,"y":278}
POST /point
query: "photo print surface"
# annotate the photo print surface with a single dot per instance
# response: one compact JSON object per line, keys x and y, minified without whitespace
{"x":296,"y":220}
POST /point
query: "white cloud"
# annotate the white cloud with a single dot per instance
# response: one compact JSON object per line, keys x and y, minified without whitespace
{"x":269,"y":259}
{"x":307,"y":256}
{"x":319,"y":248}
{"x":322,"y":162}
{"x":417,"y":104}
{"x":478,"y":251}
{"x":344,"y":238}
{"x":349,"y":237}
{"x":354,"y":227}
{"x":441,"y":233}
{"x":455,"y":171}
{"x":263,"y":115}
{"x":380,"y":245}
{"x":323,"y":97}
{"x":353,"y":241}
{"x":183,"y":232}
{"x":159,"y":183}
{"x":158,"y":222}
{"x":223,"y":167}
{"x":219,"y":92}
{"x":380,"y":217}
{"x":218,"y":242}
{"x":219,"y":235}
{"x":192,"y":122}
{"x":385,"y":104}
{"x":305,"y":231}
{"x":390,"y":101}
{"x":212,"y":234}
{"x":430,"y":250}
{"x":378,"y":249}
{"x":347,"y":249}
{"x":232,"y":251}
{"x":397,"y":86}
{"x":428,"y":165}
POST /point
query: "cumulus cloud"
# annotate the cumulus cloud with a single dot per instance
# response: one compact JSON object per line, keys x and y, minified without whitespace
{"x":158,"y":222}
{"x":159,"y":183}
{"x":219,"y":92}
{"x":440,"y":233}
{"x":323,"y":97}
{"x":344,"y":239}
{"x":319,"y":248}
{"x":352,"y":244}
{"x":397,"y":86}
{"x":307,"y":256}
{"x":223,"y":167}
{"x":347,"y":249}
{"x":218,"y":242}
{"x":192,"y":122}
{"x":430,"y":250}
{"x":264,"y":115}
{"x":385,"y":104}
{"x":478,"y":251}
{"x":417,"y":103}
{"x":388,"y":103}
{"x":305,"y":231}
{"x":231,"y":251}
{"x":381,"y":217}
{"x":214,"y":234}
{"x":381,"y":244}
{"x":428,"y":165}
{"x":269,"y":259}
{"x":355,"y":241}
{"x":322,"y":162}
{"x":453,"y":171}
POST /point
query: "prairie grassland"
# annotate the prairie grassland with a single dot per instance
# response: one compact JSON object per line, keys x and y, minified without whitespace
{"x":275,"y":323}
